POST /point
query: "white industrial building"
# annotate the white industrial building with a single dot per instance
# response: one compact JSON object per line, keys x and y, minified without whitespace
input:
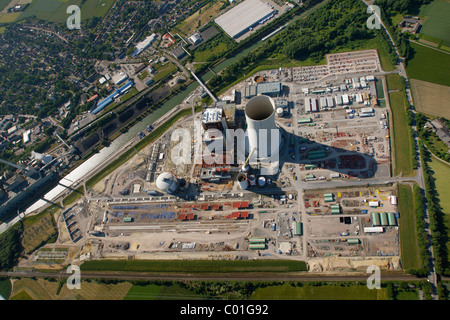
{"x":330,"y":102}
{"x":119,"y":78}
{"x":144,"y":44}
{"x":311,"y":105}
{"x":242,"y":17}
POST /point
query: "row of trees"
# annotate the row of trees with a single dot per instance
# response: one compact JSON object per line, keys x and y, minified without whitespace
{"x":10,"y":246}
{"x":439,"y":231}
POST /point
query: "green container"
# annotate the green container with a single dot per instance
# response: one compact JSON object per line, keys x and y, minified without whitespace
{"x":383,"y":219}
{"x":375,"y":219}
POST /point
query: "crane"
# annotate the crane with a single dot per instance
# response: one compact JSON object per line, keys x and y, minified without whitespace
{"x":245,"y":167}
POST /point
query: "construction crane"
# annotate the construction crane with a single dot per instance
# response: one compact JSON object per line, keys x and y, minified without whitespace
{"x":245,"y":166}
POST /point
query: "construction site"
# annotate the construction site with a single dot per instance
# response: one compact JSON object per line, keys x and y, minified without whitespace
{"x":191,"y":194}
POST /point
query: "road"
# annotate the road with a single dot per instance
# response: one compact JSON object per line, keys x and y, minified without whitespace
{"x":419,"y":178}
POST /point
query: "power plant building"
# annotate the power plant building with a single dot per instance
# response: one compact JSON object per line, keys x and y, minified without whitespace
{"x":269,"y":88}
{"x":167,"y":182}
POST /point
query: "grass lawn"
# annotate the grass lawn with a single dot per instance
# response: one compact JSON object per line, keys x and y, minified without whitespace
{"x":163,"y":70}
{"x":202,"y":56}
{"x":394,"y":81}
{"x":429,"y":65}
{"x":407,"y":227}
{"x":325,"y":292}
{"x":401,"y":132}
{"x":23,"y":295}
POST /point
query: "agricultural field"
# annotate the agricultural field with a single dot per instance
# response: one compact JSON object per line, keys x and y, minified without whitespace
{"x":436,"y":23}
{"x":408,"y":242}
{"x":194,"y":266}
{"x":198,"y":18}
{"x":41,"y":289}
{"x":325,"y":292}
{"x":161,"y":292}
{"x":429,"y":65}
{"x":55,"y":10}
{"x":9,"y":17}
{"x":403,"y":163}
{"x":428,"y":98}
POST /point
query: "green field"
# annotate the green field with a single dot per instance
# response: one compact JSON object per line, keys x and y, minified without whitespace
{"x":408,"y":242}
{"x":163,"y":70}
{"x":325,"y":292}
{"x":202,"y":56}
{"x":194,"y":266}
{"x":159,"y":292}
{"x":5,"y":288}
{"x":401,"y":131}
{"x":394,"y":82}
{"x":4,"y":3}
{"x":437,"y":23}
{"x":55,"y":10}
{"x":429,"y":65}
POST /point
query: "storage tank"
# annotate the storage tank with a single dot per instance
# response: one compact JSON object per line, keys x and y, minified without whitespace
{"x":261,"y":181}
{"x":167,"y":182}
{"x":261,"y":127}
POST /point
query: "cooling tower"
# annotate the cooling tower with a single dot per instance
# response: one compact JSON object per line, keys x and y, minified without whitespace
{"x":260,"y":118}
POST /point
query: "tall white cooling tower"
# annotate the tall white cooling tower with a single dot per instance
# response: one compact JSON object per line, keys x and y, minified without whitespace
{"x":259,"y":115}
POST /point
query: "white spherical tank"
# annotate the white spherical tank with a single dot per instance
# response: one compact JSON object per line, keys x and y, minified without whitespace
{"x":261,"y":127}
{"x":167,"y":182}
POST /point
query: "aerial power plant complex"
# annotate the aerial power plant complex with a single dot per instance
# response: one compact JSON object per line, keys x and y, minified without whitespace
{"x":204,"y":135}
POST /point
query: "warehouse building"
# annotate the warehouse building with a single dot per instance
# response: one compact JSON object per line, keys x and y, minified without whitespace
{"x":243,"y":17}
{"x":269,"y":88}
{"x":311,"y":105}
